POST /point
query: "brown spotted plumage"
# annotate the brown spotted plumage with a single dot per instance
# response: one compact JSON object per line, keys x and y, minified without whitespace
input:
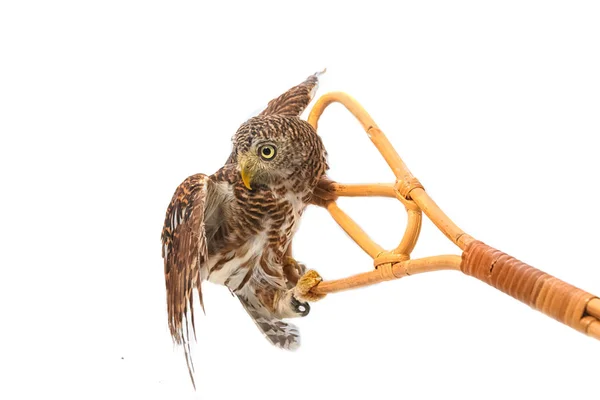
{"x":235,"y":227}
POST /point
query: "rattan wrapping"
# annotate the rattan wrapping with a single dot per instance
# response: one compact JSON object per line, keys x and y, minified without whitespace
{"x":540,"y":290}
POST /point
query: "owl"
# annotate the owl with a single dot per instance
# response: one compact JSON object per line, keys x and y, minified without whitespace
{"x":235,"y":227}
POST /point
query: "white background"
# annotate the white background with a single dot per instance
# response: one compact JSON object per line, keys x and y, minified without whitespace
{"x":105,"y":107}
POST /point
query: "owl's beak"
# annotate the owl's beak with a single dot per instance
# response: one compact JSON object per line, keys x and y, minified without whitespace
{"x":247,"y":175}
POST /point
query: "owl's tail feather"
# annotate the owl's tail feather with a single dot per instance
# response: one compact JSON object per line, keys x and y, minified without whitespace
{"x":190,"y":365}
{"x":281,"y":334}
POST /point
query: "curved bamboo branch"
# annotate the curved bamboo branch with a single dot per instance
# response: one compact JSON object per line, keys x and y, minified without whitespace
{"x":355,"y":231}
{"x":377,"y":137}
{"x":440,"y":219}
{"x":411,"y":233}
{"x":564,"y":302}
{"x":404,"y":176}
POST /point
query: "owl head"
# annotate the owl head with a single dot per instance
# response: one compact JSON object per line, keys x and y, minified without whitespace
{"x":278,"y":148}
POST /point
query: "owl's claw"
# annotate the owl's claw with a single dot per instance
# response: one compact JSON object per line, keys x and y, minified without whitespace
{"x":293,"y":270}
{"x":303,"y":288}
{"x":324,"y":193}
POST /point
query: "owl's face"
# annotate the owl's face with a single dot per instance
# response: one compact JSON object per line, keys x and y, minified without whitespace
{"x":276,"y":149}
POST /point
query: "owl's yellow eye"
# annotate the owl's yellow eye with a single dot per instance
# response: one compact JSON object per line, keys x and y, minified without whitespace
{"x":267,"y":152}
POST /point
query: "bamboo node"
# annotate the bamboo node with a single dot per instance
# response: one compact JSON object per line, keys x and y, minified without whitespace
{"x":406,"y":185}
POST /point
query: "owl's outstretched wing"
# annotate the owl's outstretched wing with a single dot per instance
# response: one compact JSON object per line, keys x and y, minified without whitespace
{"x":185,"y":250}
{"x":281,"y":334}
{"x":293,"y":102}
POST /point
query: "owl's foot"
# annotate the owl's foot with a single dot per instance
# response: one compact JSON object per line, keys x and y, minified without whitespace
{"x":309,"y":280}
{"x":324,"y":193}
{"x":293,"y":270}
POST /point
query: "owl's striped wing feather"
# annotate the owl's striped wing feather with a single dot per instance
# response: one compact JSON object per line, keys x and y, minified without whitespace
{"x":293,"y":102}
{"x":184,"y":251}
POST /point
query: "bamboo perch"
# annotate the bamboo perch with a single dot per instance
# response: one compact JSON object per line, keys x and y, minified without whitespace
{"x":388,"y":272}
{"x":566,"y":303}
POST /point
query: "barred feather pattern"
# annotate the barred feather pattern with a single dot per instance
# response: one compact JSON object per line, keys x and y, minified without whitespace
{"x":184,"y":251}
{"x":295,"y":100}
{"x":255,"y":233}
{"x":280,"y":334}
{"x":219,"y":230}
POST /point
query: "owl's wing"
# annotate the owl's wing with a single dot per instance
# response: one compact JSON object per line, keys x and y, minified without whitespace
{"x":293,"y":102}
{"x":185,"y":250}
{"x":281,"y":334}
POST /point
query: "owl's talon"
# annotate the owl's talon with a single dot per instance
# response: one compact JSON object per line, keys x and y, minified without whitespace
{"x":298,"y":267}
{"x":293,"y":270}
{"x":305,"y":284}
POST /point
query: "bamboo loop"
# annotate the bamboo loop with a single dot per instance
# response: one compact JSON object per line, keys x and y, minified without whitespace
{"x":355,"y":231}
{"x":411,"y":234}
{"x":375,"y":134}
{"x":564,"y":302}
